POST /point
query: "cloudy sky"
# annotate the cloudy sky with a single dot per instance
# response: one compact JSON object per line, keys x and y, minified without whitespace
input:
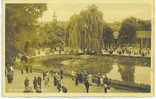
{"x":113,"y":10}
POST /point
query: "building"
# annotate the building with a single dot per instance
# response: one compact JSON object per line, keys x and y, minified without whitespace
{"x":143,"y":39}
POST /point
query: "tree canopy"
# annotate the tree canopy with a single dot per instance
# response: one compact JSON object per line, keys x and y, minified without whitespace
{"x":129,"y":26}
{"x":88,"y":30}
{"x":127,"y":33}
{"x":21,"y":28}
{"x":53,"y":34}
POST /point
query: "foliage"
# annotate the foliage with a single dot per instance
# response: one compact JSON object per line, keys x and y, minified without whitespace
{"x":127,"y":33}
{"x":21,"y":28}
{"x":88,"y":30}
{"x":53,"y":34}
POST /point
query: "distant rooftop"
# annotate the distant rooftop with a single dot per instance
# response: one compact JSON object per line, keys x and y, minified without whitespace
{"x":143,"y":34}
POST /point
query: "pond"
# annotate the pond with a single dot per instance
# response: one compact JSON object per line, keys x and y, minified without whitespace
{"x":128,"y":69}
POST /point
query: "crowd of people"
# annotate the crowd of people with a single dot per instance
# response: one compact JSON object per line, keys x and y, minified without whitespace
{"x":128,"y":51}
{"x":120,"y":51}
{"x":90,"y":80}
{"x":57,"y":79}
{"x":46,"y":77}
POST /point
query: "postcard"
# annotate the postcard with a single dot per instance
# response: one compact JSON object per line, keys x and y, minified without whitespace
{"x":78,"y":48}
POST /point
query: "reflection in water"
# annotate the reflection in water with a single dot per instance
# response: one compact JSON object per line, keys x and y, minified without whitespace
{"x":127,"y":69}
{"x":130,"y":73}
{"x":127,"y":72}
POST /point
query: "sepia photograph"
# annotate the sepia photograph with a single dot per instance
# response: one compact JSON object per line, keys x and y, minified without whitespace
{"x":78,"y":48}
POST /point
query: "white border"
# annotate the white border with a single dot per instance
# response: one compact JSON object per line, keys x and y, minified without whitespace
{"x":73,"y":97}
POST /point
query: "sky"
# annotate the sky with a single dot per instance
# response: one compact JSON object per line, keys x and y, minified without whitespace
{"x":113,"y":10}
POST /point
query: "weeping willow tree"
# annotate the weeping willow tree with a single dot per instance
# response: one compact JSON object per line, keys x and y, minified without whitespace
{"x":87,"y":30}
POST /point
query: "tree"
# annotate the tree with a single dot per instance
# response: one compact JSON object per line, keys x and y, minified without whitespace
{"x":21,"y":28}
{"x":53,"y":35}
{"x":127,"y":33}
{"x":87,"y":30}
{"x":107,"y":36}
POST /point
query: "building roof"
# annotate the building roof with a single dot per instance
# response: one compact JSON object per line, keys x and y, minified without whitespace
{"x":143,"y":34}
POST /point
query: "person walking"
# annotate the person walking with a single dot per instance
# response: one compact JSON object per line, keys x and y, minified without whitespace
{"x":87,"y":86}
{"x":39,"y":82}
{"x":59,"y":87}
{"x":64,"y":89}
{"x":35,"y":83}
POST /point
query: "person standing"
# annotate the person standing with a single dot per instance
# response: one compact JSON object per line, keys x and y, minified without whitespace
{"x":30,"y":68}
{"x":98,"y":81}
{"x":27,"y":88}
{"x":22,"y":71}
{"x":44,"y":75}
{"x":26,"y":69}
{"x":105,"y":88}
{"x":106,"y":83}
{"x":105,"y":80}
{"x":61,"y":74}
{"x":59,"y":87}
{"x":9,"y":75}
{"x":39,"y":82}
{"x":76,"y":81}
{"x":26,"y":83}
{"x":87,"y":86}
{"x":80,"y":78}
{"x":55,"y":81}
{"x":35,"y":82}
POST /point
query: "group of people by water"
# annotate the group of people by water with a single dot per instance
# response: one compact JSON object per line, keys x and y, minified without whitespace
{"x":45,"y":78}
{"x":57,"y":81}
{"x":128,"y":51}
{"x":119,"y":51}
{"x":90,"y":80}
